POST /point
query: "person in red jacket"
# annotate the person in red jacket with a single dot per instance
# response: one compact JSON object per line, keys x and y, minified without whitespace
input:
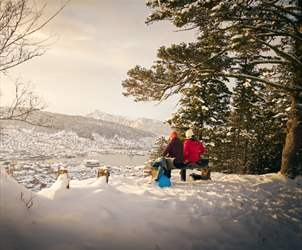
{"x":193,"y":149}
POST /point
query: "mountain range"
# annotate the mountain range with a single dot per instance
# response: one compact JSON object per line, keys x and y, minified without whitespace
{"x":105,"y":125}
{"x":154,"y":126}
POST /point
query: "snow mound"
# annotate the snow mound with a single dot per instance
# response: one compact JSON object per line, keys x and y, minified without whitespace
{"x":229,"y":212}
{"x":60,"y":185}
{"x":13,"y":196}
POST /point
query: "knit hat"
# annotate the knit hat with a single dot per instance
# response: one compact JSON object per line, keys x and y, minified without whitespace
{"x":189,"y":133}
{"x":173,"y":135}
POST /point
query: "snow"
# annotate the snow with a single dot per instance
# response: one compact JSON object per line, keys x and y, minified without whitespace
{"x":34,"y":156}
{"x":204,"y":108}
{"x":247,"y":84}
{"x":29,"y":144}
{"x":237,"y":37}
{"x":217,"y":7}
{"x":279,"y":115}
{"x":229,"y":212}
{"x":288,"y":109}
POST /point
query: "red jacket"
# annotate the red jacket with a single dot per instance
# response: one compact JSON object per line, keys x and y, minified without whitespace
{"x":193,"y":150}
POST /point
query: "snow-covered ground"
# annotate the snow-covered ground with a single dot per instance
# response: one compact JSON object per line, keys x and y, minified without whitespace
{"x":35,"y":175}
{"x":37,"y":154}
{"x":229,"y":212}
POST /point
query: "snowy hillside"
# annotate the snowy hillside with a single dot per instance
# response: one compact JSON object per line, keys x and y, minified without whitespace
{"x":153,"y":126}
{"x":230,"y":212}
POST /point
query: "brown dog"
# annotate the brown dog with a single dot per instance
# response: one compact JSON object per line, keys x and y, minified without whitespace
{"x":205,"y":174}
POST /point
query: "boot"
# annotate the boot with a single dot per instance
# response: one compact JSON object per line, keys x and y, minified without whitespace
{"x":159,"y":172}
{"x":183,"y":175}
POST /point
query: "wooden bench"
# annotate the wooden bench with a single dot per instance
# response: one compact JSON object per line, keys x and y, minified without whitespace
{"x":203,"y":166}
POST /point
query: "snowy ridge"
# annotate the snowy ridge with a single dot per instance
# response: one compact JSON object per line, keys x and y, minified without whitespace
{"x":150,"y":125}
{"x":82,"y":126}
{"x":230,"y":212}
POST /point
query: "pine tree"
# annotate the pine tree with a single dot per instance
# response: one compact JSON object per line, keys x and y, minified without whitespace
{"x":204,"y":108}
{"x":257,"y":132}
{"x":203,"y":105}
{"x":271,"y":131}
{"x":270,"y":31}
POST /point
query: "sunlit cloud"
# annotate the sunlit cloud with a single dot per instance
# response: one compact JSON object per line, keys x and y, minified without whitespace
{"x":92,"y":45}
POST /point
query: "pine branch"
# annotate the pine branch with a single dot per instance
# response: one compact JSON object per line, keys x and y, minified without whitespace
{"x":251,"y":77}
{"x":257,"y":62}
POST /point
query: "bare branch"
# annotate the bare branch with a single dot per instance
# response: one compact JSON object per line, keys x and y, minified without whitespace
{"x":24,"y":104}
{"x":18,"y":22}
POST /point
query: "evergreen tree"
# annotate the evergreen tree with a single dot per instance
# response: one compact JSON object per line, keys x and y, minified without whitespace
{"x":270,"y":31}
{"x":257,"y":133}
{"x":204,"y":107}
{"x":201,"y":106}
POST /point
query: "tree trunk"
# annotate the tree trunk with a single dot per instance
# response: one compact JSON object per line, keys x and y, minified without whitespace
{"x":291,"y":155}
{"x":292,"y":151}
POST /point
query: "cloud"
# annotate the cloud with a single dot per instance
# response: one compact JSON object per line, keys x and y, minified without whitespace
{"x":96,"y":43}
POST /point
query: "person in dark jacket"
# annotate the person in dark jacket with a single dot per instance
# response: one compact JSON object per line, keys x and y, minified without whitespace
{"x":174,"y":150}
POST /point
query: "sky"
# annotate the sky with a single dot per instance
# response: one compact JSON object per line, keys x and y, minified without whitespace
{"x":92,"y":46}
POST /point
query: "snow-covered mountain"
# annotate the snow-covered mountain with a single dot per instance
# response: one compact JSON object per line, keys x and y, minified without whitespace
{"x":83,"y":126}
{"x":150,"y":125}
{"x":69,"y":136}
